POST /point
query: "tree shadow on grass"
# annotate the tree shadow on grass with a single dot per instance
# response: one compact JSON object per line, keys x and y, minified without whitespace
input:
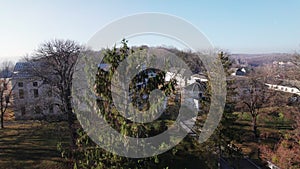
{"x":31,"y":145}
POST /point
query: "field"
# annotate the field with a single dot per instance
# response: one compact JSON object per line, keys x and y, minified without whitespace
{"x":31,"y":144}
{"x":273,"y":122}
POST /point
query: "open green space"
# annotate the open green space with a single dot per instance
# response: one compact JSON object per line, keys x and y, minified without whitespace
{"x":273,"y":122}
{"x":32,"y":144}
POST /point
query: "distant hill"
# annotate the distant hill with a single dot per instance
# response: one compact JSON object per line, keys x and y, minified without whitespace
{"x":261,"y":59}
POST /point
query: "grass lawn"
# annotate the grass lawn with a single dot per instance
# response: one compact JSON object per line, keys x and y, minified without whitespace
{"x":31,"y":144}
{"x":270,"y":125}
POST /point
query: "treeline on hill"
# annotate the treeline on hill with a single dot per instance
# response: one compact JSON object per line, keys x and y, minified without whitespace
{"x":257,"y":60}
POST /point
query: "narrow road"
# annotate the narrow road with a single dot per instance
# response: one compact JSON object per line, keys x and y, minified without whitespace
{"x":243,"y":163}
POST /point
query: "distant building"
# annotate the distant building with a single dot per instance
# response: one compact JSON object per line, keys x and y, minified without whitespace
{"x":6,"y":85}
{"x":294,"y":100}
{"x":6,"y":73}
{"x":193,"y":93}
{"x":180,"y":76}
{"x":191,"y":88}
{"x":197,"y":78}
{"x":282,"y":88}
{"x":239,"y":72}
{"x":33,"y":99}
{"x":103,"y":66}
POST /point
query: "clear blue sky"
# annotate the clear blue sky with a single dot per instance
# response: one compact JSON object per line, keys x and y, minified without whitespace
{"x":256,"y":26}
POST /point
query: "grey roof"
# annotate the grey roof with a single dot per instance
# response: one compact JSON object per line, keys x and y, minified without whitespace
{"x":6,"y":73}
{"x":196,"y":87}
{"x":200,"y":76}
{"x":23,"y":69}
{"x":104,"y":66}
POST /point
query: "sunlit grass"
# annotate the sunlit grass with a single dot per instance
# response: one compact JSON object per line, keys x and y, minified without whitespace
{"x":270,"y":127}
{"x":31,"y":144}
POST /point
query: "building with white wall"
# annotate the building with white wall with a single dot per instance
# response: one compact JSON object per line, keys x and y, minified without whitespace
{"x":6,"y":87}
{"x":282,"y":88}
{"x":32,"y":98}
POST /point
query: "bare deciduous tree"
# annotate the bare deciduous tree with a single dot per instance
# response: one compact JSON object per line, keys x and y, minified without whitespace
{"x":253,"y":96}
{"x":5,"y":87}
{"x":54,"y":64}
{"x":296,"y":62}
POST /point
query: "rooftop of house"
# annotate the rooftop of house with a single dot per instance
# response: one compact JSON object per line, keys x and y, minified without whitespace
{"x":196,"y":86}
{"x":6,"y":73}
{"x":23,"y":69}
{"x":104,"y":66}
{"x":201,"y":77}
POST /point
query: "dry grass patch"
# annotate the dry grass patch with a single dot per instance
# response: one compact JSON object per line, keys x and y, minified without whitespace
{"x":31,"y":144}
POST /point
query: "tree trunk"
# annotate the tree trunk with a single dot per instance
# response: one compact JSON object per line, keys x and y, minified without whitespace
{"x":71,"y":118}
{"x":2,"y":108}
{"x":254,"y":126}
{"x":2,"y":120}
